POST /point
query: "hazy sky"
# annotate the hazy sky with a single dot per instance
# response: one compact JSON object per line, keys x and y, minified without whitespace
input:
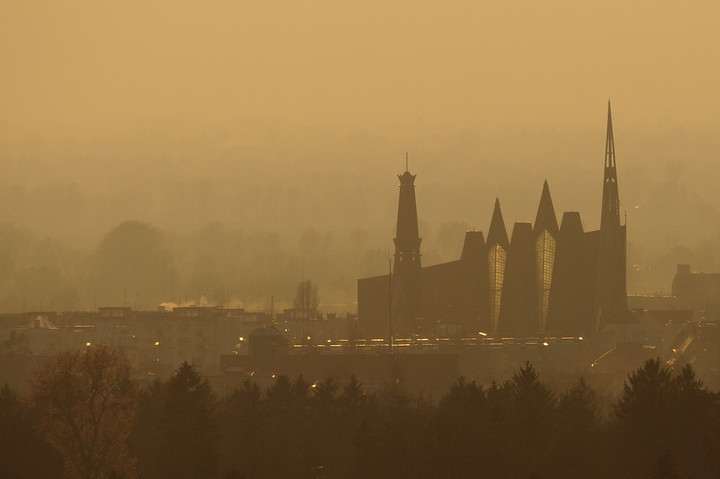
{"x":285,"y":115}
{"x":100,"y":67}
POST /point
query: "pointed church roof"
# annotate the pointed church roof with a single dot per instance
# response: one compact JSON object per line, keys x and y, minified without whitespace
{"x":545,"y":218}
{"x":474,"y":245}
{"x":571,"y":223}
{"x":497,"y":234}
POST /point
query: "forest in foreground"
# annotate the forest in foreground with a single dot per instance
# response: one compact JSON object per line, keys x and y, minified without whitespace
{"x":84,"y":417}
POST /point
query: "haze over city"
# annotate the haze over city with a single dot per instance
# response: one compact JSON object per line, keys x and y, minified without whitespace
{"x":381,"y":239}
{"x":280,"y":118}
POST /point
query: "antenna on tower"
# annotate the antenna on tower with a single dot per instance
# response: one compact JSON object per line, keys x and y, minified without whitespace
{"x":406,"y":161}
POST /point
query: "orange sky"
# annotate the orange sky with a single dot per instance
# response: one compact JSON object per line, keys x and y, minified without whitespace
{"x":89,"y":67}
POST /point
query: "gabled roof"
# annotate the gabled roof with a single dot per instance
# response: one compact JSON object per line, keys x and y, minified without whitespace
{"x":40,"y":322}
{"x":497,"y":234}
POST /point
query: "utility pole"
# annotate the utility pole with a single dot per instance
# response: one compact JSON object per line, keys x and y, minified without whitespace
{"x":390,"y":302}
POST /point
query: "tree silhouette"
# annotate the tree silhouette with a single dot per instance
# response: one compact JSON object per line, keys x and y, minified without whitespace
{"x":130,"y":261}
{"x":242,"y":420}
{"x":531,"y":412}
{"x":659,"y":413}
{"x":180,"y":413}
{"x":695,"y":423}
{"x":189,"y":422}
{"x":14,"y":354}
{"x":84,"y":403}
{"x":307,"y":298}
{"x":23,"y":453}
{"x":664,"y":425}
{"x":177,"y":432}
{"x":324,"y":392}
{"x":576,"y":435}
{"x":458,"y":427}
{"x":643,"y":416}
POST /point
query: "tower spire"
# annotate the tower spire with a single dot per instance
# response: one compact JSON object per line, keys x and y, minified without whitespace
{"x":612,"y":293}
{"x":610,"y":216}
{"x":609,"y":142}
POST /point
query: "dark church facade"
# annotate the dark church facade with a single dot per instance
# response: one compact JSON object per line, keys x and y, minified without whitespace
{"x":544,"y":279}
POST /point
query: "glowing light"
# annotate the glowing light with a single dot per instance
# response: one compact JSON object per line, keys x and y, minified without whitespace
{"x":157,"y":343}
{"x":243,"y":339}
{"x":545,"y":343}
{"x":88,"y":344}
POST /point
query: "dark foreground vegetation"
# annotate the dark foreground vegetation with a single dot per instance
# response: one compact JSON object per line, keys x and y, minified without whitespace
{"x":84,"y":417}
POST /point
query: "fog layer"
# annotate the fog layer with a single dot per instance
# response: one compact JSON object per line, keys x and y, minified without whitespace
{"x":277,"y":129}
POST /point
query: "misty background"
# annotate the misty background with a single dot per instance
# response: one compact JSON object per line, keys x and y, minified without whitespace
{"x":221,"y":152}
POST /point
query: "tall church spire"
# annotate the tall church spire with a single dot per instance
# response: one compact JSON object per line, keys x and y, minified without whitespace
{"x":611,"y":292}
{"x":610,"y":217}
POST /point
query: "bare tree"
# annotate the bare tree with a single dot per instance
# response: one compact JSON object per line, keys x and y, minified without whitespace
{"x":84,"y":404}
{"x":307,"y":298}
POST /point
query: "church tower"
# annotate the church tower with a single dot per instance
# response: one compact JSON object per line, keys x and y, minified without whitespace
{"x":407,"y":269}
{"x":611,"y":301}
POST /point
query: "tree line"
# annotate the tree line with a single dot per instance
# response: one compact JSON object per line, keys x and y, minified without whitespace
{"x":85,"y":417}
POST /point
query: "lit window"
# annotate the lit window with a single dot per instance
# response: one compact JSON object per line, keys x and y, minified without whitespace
{"x":496,"y":259}
{"x":545,"y":246}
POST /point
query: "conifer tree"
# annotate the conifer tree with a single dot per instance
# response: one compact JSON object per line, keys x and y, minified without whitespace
{"x":179,"y":415}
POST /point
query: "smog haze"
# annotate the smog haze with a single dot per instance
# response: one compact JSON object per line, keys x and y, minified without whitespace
{"x":257,"y":143}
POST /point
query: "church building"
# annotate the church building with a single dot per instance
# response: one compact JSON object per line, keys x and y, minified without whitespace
{"x":545,"y":279}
